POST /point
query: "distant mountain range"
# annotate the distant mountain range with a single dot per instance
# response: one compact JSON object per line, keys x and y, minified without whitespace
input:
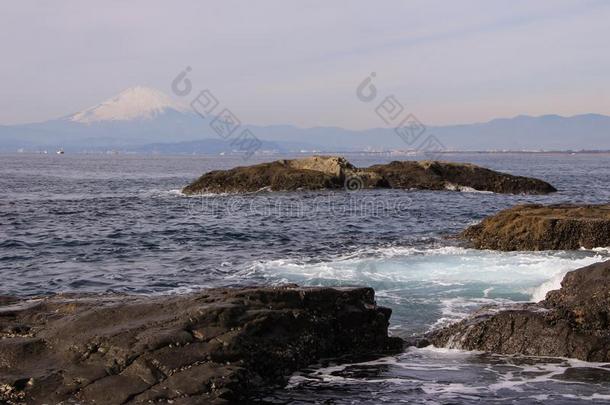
{"x":142,"y":119}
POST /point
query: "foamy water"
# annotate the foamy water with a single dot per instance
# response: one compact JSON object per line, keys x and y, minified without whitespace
{"x":432,"y":375}
{"x":443,"y":284}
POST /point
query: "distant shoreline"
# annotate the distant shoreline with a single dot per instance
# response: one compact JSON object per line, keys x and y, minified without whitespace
{"x":308,"y":153}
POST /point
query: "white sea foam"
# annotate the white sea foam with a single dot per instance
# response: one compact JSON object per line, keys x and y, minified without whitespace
{"x":534,"y":273}
{"x":539,"y":293}
{"x":156,"y":192}
{"x":515,"y":377}
{"x":455,"y":309}
{"x":444,"y":284}
{"x":465,"y":189}
{"x":177,"y":192}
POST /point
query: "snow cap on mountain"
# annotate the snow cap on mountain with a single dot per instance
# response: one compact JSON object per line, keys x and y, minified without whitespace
{"x":135,"y":103}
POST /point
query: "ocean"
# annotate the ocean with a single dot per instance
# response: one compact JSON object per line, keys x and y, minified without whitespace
{"x":118,"y":223}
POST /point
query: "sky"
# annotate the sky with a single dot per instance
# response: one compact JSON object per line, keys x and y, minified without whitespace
{"x":300,"y":62}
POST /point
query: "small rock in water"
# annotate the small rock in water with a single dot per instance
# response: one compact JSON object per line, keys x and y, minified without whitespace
{"x":543,"y":227}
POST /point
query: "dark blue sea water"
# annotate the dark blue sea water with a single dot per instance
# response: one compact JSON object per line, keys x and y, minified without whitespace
{"x":119,"y":223}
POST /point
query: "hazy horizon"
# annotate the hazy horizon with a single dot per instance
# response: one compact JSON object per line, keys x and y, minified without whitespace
{"x":279,"y":124}
{"x":278,"y":62}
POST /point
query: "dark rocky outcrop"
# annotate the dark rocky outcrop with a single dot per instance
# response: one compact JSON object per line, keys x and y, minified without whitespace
{"x":543,"y":227}
{"x":214,"y":346}
{"x":331,"y":172}
{"x":278,"y":175}
{"x":435,"y":175}
{"x":570,"y":322}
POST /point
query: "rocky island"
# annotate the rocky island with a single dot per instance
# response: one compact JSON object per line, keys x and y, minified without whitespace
{"x":214,"y":346}
{"x":543,"y":227}
{"x":573,"y":321}
{"x":333,"y":172}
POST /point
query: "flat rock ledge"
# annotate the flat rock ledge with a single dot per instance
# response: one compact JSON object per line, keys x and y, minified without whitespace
{"x":543,"y":227}
{"x":215,"y":346}
{"x":571,"y":322}
{"x":333,"y":172}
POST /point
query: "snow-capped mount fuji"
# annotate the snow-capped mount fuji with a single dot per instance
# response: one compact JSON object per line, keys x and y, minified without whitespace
{"x":143,"y":119}
{"x":135,"y":103}
{"x":135,"y":117}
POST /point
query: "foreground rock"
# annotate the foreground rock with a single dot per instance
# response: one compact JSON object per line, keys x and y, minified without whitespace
{"x":210,"y":347}
{"x":331,"y":172}
{"x":570,"y":322}
{"x":540,"y":227}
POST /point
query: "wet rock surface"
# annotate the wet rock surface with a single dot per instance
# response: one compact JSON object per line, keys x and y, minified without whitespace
{"x":214,"y":346}
{"x":332,"y":172}
{"x":571,"y":322}
{"x":543,"y":227}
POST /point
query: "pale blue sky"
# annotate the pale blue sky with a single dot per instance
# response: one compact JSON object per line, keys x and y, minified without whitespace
{"x":299,"y":62}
